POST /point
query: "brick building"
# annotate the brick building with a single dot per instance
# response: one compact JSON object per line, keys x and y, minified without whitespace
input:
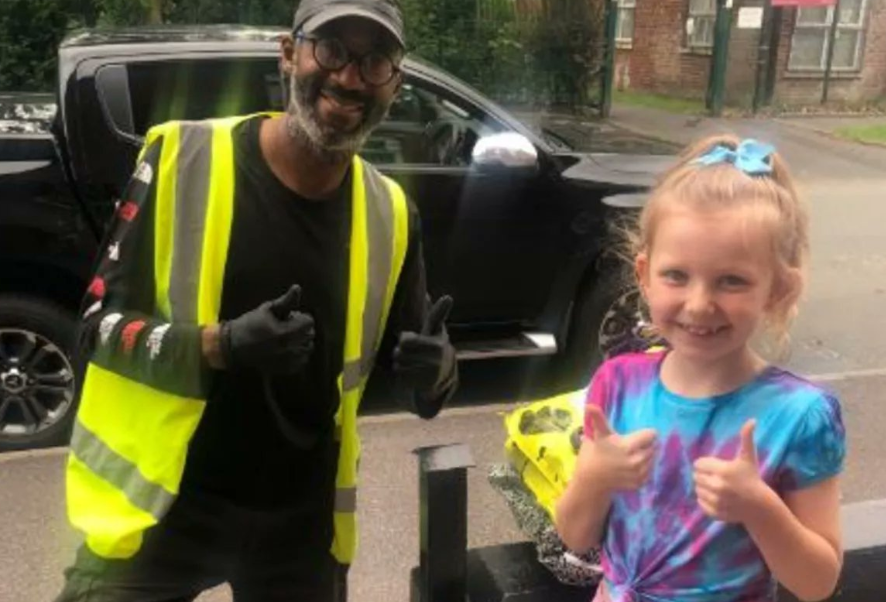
{"x":665,"y":46}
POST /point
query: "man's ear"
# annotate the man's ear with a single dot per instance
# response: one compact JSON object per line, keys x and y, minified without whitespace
{"x":287,"y":54}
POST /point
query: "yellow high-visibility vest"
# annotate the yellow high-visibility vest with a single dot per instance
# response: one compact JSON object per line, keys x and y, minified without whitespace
{"x":130,"y":441}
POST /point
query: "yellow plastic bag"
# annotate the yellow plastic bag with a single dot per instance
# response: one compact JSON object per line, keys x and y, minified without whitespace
{"x":542,"y":444}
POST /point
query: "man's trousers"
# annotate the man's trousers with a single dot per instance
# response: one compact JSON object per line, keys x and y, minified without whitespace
{"x":265,"y":556}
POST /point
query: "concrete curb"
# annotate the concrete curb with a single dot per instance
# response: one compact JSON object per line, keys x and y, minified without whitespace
{"x":686,"y":135}
{"x":32,"y":453}
{"x":658,"y":136}
{"x":828,"y":133}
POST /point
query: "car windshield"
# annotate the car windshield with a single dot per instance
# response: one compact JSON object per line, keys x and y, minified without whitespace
{"x":567,"y":133}
{"x":555,"y":140}
{"x":561,"y":129}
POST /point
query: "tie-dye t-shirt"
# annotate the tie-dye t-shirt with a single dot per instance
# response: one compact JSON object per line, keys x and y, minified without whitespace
{"x":659,"y":545}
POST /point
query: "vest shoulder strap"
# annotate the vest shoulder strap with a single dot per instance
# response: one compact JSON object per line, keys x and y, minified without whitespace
{"x":163,"y":129}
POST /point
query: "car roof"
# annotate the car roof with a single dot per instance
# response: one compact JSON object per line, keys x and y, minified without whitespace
{"x":165,"y":34}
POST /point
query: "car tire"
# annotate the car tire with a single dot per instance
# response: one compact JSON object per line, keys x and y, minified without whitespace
{"x":606,"y":309}
{"x":37,"y":378}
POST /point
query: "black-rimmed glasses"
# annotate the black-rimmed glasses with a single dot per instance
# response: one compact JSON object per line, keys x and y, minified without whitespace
{"x":376,"y":68}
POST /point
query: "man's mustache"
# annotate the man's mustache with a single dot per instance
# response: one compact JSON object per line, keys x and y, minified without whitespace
{"x":340,"y":93}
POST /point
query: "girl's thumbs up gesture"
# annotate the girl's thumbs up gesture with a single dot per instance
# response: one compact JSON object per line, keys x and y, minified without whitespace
{"x":613,"y":461}
{"x":728,"y":490}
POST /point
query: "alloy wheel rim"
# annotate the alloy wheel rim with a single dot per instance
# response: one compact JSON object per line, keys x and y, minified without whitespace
{"x":36,"y":383}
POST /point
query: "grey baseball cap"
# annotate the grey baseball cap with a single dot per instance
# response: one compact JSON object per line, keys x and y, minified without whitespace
{"x":313,"y":14}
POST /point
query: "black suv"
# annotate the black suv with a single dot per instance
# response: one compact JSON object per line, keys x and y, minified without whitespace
{"x":516,"y":222}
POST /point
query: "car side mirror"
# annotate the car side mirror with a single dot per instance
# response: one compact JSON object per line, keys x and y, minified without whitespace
{"x":504,"y":150}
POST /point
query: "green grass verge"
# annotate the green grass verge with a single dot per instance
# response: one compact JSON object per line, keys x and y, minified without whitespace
{"x":670,"y":104}
{"x":870,"y":134}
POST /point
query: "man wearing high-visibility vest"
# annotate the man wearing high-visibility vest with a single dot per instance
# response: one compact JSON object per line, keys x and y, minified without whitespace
{"x":256,"y":270}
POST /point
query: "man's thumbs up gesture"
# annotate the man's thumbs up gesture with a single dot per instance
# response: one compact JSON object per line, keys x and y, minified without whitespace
{"x":275,"y":337}
{"x":615,"y":462}
{"x":728,"y":490}
{"x":423,"y":359}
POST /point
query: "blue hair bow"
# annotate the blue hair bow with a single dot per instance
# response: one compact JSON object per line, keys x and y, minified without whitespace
{"x":751,"y":157}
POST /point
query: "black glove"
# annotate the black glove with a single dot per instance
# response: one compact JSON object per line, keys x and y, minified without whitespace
{"x":275,"y":337}
{"x":423,"y":360}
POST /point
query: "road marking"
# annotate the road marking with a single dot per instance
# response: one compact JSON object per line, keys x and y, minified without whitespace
{"x":847,"y":375}
{"x":502,"y":408}
{"x":478,"y":410}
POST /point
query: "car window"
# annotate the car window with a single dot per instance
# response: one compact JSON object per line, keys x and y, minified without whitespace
{"x":425,"y":127}
{"x":195,"y":89}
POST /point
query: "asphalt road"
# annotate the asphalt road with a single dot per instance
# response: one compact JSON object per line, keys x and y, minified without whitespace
{"x":840,"y":337}
{"x":841,"y":325}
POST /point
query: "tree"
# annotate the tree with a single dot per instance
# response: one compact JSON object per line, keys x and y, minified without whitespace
{"x":30,"y":31}
{"x":155,"y":11}
{"x":129,"y":13}
{"x":446,"y":33}
{"x":249,"y":12}
{"x":515,"y":50}
{"x":539,"y":50}
{"x":566,"y":46}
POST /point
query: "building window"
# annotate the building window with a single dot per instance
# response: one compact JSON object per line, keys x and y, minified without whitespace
{"x":624,"y":33}
{"x":810,"y":45}
{"x":700,"y":24}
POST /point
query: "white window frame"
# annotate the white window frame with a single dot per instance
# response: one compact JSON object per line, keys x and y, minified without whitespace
{"x":693,"y":15}
{"x":825,"y":29}
{"x":626,"y":6}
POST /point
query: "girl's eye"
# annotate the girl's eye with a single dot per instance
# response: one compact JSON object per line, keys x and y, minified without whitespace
{"x":733,"y":282}
{"x":674,"y":276}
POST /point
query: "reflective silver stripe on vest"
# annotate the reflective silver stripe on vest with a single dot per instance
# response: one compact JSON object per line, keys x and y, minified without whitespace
{"x":191,"y":203}
{"x":350,"y":377}
{"x":345,"y":499}
{"x":355,"y":370}
{"x":119,"y":472}
{"x":380,"y":245}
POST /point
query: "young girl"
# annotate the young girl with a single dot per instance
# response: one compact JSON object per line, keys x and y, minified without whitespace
{"x":707,"y":474}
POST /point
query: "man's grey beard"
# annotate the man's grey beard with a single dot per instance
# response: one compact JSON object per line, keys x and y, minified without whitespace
{"x":325,"y":143}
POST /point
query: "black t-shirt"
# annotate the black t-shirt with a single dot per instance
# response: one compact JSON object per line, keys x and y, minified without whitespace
{"x":278,"y":239}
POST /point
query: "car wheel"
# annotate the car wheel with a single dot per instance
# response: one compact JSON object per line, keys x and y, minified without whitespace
{"x":37,"y":382}
{"x":606,"y":313}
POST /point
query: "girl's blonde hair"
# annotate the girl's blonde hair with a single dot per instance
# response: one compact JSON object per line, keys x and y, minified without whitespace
{"x":771,"y":199}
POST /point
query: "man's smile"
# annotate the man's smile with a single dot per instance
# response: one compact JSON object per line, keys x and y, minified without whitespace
{"x":341,"y":103}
